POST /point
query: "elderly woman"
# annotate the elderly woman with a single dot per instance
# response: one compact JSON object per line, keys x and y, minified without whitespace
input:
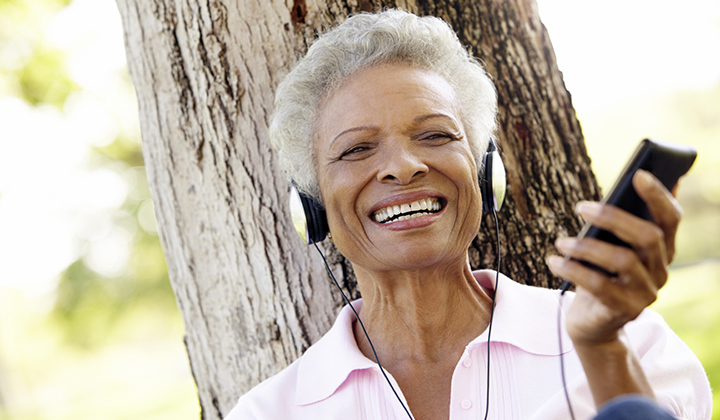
{"x":385,"y":122}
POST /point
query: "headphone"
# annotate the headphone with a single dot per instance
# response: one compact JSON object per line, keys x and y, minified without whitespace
{"x":310,"y":220}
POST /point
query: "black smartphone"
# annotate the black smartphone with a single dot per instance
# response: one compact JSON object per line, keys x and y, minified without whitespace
{"x":666,"y":161}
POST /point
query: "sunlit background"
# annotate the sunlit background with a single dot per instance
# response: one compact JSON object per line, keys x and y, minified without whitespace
{"x":88,"y":323}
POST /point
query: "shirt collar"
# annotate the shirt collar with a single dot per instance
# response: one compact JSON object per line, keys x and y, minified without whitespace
{"x":518,"y":309}
{"x":328,"y":363}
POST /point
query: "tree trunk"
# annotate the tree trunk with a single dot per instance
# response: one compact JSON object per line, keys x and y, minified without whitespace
{"x":252,"y":295}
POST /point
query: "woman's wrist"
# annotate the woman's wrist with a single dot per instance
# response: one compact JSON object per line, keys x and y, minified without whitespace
{"x":612,"y":368}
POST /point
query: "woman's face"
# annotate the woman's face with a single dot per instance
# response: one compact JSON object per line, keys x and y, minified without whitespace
{"x":395,"y":170}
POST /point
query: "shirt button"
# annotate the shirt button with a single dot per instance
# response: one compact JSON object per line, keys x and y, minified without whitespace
{"x":467,"y":362}
{"x":466,"y":404}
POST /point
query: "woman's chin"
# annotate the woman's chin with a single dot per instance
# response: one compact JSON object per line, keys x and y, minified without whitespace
{"x":409,"y":256}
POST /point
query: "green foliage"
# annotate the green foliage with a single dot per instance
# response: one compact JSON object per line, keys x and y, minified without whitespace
{"x":31,"y":68}
{"x":42,"y":80}
{"x":687,"y":304}
{"x":123,"y":150}
{"x":26,"y":6}
{"x":88,"y":304}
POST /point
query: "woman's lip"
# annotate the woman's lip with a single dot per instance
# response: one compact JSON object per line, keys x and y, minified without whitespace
{"x":405,"y":198}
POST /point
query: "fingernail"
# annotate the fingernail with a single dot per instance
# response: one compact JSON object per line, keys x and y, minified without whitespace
{"x":588,"y":208}
{"x":565,"y":244}
{"x":644,"y":178}
{"x":554,"y":262}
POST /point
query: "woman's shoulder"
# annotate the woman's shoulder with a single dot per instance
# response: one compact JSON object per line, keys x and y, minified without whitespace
{"x":312,"y":378}
{"x":256,"y":403}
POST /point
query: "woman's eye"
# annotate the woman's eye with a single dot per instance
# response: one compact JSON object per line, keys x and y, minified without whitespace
{"x":439,"y":137}
{"x":354,"y":152}
{"x":356,"y":149}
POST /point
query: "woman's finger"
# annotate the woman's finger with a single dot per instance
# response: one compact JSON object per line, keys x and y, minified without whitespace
{"x":626,"y":301}
{"x":612,"y":258}
{"x":663,"y":207}
{"x":622,"y":261}
{"x":645,"y":237}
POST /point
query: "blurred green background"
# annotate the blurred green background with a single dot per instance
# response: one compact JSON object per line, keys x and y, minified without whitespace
{"x":88,"y":322}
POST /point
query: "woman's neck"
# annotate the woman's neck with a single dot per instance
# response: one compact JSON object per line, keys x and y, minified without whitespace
{"x":420,"y":317}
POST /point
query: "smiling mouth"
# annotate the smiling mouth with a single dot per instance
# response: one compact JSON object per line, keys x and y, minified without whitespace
{"x":408,"y":211}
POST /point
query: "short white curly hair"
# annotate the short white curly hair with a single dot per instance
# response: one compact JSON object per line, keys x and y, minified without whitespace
{"x":366,"y":40}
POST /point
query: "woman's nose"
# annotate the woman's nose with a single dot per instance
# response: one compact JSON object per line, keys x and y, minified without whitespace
{"x":401,"y":165}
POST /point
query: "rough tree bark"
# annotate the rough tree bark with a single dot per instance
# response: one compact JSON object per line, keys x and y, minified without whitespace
{"x":252,"y":296}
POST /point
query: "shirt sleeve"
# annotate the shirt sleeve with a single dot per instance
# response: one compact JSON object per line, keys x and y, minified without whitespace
{"x":674,"y":372}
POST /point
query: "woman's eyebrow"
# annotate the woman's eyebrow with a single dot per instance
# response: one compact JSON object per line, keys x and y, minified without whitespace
{"x":350,"y":130}
{"x":423,"y":118}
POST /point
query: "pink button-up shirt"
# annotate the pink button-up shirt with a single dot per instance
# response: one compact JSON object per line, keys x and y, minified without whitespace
{"x":334,"y":380}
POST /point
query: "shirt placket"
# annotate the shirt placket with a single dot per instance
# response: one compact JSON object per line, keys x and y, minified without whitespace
{"x":464,"y":402}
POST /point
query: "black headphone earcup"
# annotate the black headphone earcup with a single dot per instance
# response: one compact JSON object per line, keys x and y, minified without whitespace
{"x":493,"y":182}
{"x":308,"y":216}
{"x":317,"y":220}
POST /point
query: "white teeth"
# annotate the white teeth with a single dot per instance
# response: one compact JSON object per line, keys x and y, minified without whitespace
{"x":396,"y":213}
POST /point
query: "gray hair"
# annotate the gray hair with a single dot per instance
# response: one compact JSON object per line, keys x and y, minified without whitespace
{"x":366,"y":40}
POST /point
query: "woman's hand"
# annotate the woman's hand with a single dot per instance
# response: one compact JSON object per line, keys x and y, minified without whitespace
{"x":603,"y":304}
